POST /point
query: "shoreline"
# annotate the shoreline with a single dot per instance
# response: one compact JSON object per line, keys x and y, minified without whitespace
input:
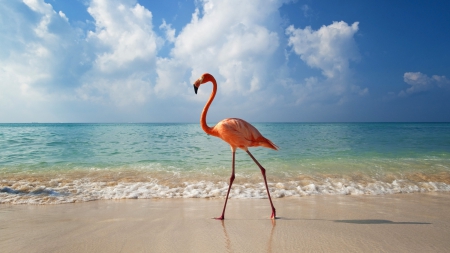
{"x":392,"y":223}
{"x":84,"y":186}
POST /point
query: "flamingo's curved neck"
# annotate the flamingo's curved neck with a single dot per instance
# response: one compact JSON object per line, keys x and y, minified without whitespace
{"x":205,"y":127}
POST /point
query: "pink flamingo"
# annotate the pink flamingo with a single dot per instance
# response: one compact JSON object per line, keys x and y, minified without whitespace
{"x":236,"y":132}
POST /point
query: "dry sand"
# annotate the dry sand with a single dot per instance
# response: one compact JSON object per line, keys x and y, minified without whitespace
{"x":390,"y":223}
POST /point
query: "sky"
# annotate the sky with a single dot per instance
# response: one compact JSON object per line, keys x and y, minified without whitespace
{"x":274,"y":60}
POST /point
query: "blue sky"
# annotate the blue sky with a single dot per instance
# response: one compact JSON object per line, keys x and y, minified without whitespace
{"x":282,"y":61}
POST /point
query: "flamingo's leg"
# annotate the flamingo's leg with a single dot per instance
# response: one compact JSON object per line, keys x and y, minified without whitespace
{"x":229,"y":187}
{"x":263,"y":171}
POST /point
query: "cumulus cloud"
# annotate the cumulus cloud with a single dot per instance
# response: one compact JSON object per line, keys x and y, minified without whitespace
{"x":117,"y":62}
{"x":46,"y":61}
{"x":124,"y":48}
{"x":329,"y":49}
{"x":230,"y":39}
{"x":421,"y":82}
{"x":35,"y":44}
{"x":39,"y":59}
{"x":124,"y":31}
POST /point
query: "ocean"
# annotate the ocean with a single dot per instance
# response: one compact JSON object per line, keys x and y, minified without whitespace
{"x":66,"y":163}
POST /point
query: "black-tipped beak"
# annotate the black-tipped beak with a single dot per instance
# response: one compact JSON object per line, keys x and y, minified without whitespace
{"x":195,"y":89}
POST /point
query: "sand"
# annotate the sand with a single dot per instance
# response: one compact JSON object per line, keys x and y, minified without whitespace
{"x":389,"y":223}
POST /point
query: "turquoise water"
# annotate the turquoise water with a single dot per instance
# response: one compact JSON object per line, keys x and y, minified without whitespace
{"x":61,"y":163}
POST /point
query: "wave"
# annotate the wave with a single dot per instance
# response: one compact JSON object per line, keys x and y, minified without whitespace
{"x":61,"y":190}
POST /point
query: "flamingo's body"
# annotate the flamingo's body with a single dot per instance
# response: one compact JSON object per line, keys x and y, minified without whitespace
{"x":236,"y":132}
{"x":240,"y":134}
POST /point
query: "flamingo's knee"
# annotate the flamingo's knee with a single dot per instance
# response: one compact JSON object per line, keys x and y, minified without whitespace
{"x":231,"y":179}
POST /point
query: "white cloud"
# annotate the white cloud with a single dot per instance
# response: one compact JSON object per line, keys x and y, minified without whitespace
{"x":116,"y":65}
{"x":37,"y":50}
{"x":124,"y":49}
{"x":39,"y":6}
{"x":171,"y":78}
{"x":47,"y":61}
{"x":35,"y":46}
{"x":229,"y":39}
{"x":124,"y":33}
{"x":170,"y":32}
{"x":330,"y":49}
{"x":421,"y":82}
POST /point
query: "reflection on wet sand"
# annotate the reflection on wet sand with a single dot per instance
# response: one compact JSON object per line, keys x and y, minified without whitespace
{"x":228,"y":242}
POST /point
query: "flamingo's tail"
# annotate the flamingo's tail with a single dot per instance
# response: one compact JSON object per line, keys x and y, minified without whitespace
{"x":269,"y":144}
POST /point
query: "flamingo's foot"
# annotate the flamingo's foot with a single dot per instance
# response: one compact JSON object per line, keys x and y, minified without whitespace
{"x":273,"y":217}
{"x":219,"y":218}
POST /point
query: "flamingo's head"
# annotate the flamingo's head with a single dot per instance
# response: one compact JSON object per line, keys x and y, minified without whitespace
{"x":197,"y":83}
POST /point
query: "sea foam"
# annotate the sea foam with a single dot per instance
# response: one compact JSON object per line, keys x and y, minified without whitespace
{"x":55,"y":192}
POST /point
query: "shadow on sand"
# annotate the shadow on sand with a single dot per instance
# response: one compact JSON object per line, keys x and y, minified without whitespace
{"x":374,"y":221}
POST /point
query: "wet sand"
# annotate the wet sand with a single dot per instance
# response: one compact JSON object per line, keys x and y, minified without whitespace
{"x":389,"y":223}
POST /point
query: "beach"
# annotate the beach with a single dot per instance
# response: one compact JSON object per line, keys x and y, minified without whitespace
{"x":321,"y":223}
{"x":337,"y":187}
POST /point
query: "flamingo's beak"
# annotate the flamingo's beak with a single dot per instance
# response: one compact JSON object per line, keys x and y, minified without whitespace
{"x":195,"y":89}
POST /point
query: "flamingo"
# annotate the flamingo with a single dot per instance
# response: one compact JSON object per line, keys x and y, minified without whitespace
{"x":237,"y":133}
